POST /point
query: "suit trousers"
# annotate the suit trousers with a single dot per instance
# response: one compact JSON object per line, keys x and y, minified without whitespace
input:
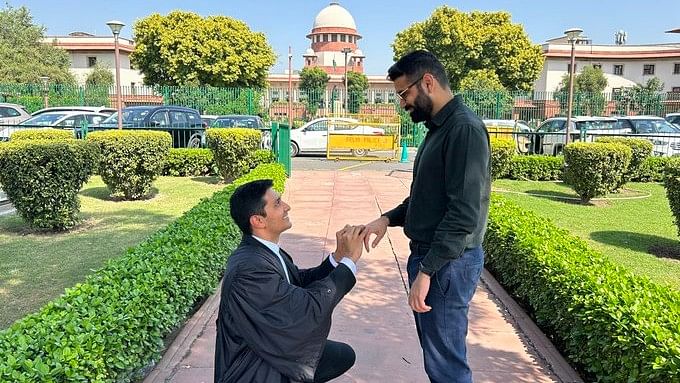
{"x":336,"y":359}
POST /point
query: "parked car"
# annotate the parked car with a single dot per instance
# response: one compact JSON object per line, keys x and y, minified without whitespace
{"x":662,"y":134}
{"x":59,"y":120}
{"x":12,"y":113}
{"x":184,"y":124}
{"x":245,"y":121}
{"x":97,"y":109}
{"x":208,"y":119}
{"x":312,"y":137}
{"x":546,"y":143}
{"x":673,"y":118}
{"x":510,"y":129}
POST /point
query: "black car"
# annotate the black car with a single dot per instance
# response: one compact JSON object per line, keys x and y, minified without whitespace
{"x":184,"y":124}
{"x":245,"y":121}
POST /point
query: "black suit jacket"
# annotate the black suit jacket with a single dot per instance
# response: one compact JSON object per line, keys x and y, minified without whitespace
{"x":269,"y":330}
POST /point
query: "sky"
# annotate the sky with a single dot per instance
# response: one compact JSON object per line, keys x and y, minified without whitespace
{"x":286,"y":23}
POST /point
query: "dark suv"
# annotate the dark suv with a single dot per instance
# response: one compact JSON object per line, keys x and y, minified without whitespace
{"x":184,"y":124}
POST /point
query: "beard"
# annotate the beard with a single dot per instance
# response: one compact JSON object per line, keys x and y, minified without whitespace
{"x":422,"y":108}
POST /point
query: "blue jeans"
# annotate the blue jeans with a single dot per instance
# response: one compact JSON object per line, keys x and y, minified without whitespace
{"x":442,"y":330}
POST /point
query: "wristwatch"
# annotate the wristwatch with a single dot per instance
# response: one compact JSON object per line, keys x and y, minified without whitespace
{"x":425,"y":270}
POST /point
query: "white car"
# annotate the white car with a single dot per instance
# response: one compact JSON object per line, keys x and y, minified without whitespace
{"x":662,"y":134}
{"x":546,"y":143}
{"x":12,"y":113}
{"x":58,"y":120}
{"x":673,"y":118}
{"x":312,"y":137}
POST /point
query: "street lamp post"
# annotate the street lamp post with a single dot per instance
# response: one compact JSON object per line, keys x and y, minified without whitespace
{"x":45,"y":90}
{"x":290,"y":87}
{"x":573,"y":36}
{"x":346,"y":51}
{"x":116,"y":26}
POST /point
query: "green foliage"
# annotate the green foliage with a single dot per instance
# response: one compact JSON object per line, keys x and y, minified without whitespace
{"x":594,"y":169}
{"x":232,"y":150}
{"x":42,"y":179}
{"x":131,"y":160}
{"x":31,"y":95}
{"x":536,"y":168}
{"x":40,"y":134}
{"x":483,"y":92}
{"x":183,"y":162}
{"x":23,"y":56}
{"x":100,"y":76}
{"x":502,"y":152}
{"x":357,"y":84}
{"x":641,"y":150}
{"x":464,"y":42}
{"x":262,"y":157}
{"x":672,"y":185}
{"x":590,"y":80}
{"x":588,"y":88}
{"x":313,"y":83}
{"x":211,"y":100}
{"x":641,"y":99}
{"x":652,"y":169}
{"x":184,"y":48}
{"x":112,"y":325}
{"x":612,"y":325}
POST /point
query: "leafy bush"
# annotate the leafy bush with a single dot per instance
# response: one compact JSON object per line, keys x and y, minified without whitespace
{"x":672,"y":185}
{"x":641,"y":150}
{"x":651,"y":169}
{"x":502,"y":151}
{"x":262,"y":156}
{"x":41,"y":134}
{"x":131,"y":160}
{"x":184,"y":162}
{"x":536,"y":168}
{"x":42,"y":179}
{"x":232,"y":149}
{"x":112,"y":325}
{"x":612,"y":325}
{"x":593,"y":169}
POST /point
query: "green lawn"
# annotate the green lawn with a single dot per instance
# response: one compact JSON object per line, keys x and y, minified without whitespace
{"x":36,"y":268}
{"x":637,"y":233}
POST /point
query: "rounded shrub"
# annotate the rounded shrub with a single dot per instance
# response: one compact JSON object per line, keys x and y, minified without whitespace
{"x":183,"y":162}
{"x":641,"y":150}
{"x":233,"y":149}
{"x":260,"y":157}
{"x":131,"y":160}
{"x":672,"y":185}
{"x":42,"y":179}
{"x":41,"y":134}
{"x":593,"y":169}
{"x":502,"y":151}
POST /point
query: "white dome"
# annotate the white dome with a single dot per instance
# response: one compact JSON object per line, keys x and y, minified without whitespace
{"x":334,"y":16}
{"x":310,"y":52}
{"x":358,"y":53}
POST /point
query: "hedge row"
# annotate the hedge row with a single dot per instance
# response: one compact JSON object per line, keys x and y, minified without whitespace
{"x":672,"y":185}
{"x":614,"y":326}
{"x":112,"y":325}
{"x":183,"y":162}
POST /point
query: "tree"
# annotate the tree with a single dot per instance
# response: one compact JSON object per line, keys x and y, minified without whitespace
{"x":184,"y":48}
{"x":483,"y":92}
{"x":100,"y":76}
{"x":23,"y":55}
{"x":357,"y":84}
{"x":588,"y":88}
{"x":641,"y":99}
{"x":313,"y":83}
{"x":464,"y":42}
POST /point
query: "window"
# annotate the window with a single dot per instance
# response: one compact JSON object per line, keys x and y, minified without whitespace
{"x":618,"y":69}
{"x":91,"y":61}
{"x":676,"y":68}
{"x":648,"y":69}
{"x":325,"y":38}
{"x":159,"y":119}
{"x":597,"y":66}
{"x":334,"y":38}
{"x":569,"y":67}
{"x":343,"y":38}
{"x":8,"y":112}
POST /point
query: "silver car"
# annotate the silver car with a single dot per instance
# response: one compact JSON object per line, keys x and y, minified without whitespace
{"x":12,"y":113}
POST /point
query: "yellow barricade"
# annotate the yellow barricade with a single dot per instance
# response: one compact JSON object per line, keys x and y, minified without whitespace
{"x":366,"y":146}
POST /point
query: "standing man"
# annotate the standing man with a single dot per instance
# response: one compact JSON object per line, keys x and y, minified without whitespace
{"x":444,"y":215}
{"x":274,"y":319}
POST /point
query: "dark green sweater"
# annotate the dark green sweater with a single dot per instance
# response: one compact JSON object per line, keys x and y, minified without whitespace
{"x":449,"y":200}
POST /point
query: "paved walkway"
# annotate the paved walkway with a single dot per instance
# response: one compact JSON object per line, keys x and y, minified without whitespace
{"x":503,"y":344}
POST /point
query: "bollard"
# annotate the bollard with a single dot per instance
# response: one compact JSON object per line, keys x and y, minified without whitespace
{"x":404,"y":152}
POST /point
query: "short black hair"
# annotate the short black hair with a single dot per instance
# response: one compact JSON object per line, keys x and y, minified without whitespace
{"x":415,"y":64}
{"x":247,"y":201}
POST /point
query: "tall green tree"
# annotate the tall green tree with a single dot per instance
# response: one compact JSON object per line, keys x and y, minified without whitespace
{"x":641,"y":99}
{"x":23,"y":55}
{"x":588,"y":88}
{"x":184,"y":48}
{"x":484,"y":93}
{"x":100,"y":75}
{"x":313,"y":83}
{"x":357,"y":84}
{"x":464,"y":42}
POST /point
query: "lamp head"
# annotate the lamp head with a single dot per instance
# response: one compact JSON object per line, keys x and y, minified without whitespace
{"x":115,"y":26}
{"x":573,"y":33}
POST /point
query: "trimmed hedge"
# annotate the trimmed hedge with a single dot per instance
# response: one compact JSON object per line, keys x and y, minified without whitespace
{"x":131,"y":160}
{"x":41,"y":134}
{"x":612,"y":325}
{"x":262,"y":156}
{"x":672,"y":185}
{"x":502,"y":151}
{"x":112,"y":325}
{"x":536,"y":168}
{"x":232,"y":149}
{"x":641,"y":150}
{"x":651,"y":169}
{"x":42,"y":179}
{"x":593,"y":169}
{"x":184,"y":162}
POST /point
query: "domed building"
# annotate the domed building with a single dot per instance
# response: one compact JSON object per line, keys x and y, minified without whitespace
{"x":334,"y":38}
